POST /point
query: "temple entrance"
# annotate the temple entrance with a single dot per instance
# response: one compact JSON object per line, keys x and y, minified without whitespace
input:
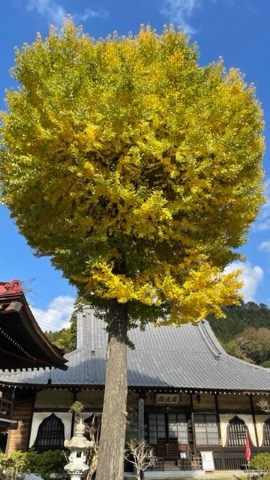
{"x":170,"y":435}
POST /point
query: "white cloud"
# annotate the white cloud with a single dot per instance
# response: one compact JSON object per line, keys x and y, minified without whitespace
{"x":265,"y":246}
{"x":250,"y":276}
{"x":57,"y":314}
{"x":56,"y":14}
{"x":89,"y":13}
{"x":262,"y":226}
{"x":179,"y":10}
{"x":48,"y":8}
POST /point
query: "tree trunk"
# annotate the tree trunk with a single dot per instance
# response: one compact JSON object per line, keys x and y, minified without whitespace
{"x":113,"y":427}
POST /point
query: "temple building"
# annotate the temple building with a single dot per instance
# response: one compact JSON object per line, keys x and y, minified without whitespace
{"x":22,"y":342}
{"x":22,"y":346}
{"x":195,"y":404}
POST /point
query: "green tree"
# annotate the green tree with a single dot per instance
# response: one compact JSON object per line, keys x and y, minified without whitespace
{"x":246,"y":332}
{"x":66,"y":337}
{"x":254,"y":344}
{"x":139,"y":173}
{"x":238,"y":319}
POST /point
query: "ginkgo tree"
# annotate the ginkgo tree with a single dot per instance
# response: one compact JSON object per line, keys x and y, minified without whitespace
{"x":138,"y":172}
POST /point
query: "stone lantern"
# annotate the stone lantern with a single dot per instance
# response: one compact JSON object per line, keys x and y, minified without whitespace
{"x":78,"y":446}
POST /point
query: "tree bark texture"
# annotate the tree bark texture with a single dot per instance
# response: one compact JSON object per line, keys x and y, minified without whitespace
{"x":113,"y":427}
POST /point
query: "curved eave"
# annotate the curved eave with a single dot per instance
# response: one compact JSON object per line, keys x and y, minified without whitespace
{"x":23,"y":345}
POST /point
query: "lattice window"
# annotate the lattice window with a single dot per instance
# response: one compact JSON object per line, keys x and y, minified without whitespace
{"x":266,"y":433}
{"x":157,"y":428}
{"x":51,"y":434}
{"x":171,"y":428}
{"x":177,"y":428}
{"x":236,"y":433}
{"x":206,"y":429}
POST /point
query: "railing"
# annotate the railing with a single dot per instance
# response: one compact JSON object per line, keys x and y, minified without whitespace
{"x":218,"y":464}
{"x":229,"y":463}
{"x":171,"y":456}
{"x":233,"y":463}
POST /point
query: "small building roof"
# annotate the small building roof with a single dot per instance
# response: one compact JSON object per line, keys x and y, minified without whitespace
{"x":186,"y":358}
{"x":22,"y":342}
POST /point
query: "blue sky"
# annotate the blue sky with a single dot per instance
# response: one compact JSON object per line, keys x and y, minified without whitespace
{"x":236,"y":30}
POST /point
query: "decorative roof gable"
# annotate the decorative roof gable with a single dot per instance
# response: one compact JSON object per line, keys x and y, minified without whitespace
{"x":22,"y":342}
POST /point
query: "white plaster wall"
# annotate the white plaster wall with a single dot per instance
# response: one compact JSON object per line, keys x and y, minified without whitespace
{"x":260,"y":419}
{"x":85,"y":415}
{"x":66,"y":418}
{"x":224,"y":420}
{"x":38,"y":417}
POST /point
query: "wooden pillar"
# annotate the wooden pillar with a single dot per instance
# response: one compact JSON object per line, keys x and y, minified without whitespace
{"x":191,"y":432}
{"x":219,"y":433}
{"x":141,"y":417}
{"x":254,"y":422}
{"x":72,"y":426}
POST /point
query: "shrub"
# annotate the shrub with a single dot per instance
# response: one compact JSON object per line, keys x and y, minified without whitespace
{"x":43,"y":464}
{"x":14,"y":466}
{"x":261,"y":461}
{"x":50,"y":461}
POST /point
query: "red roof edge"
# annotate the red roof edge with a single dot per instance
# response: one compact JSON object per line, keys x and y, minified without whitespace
{"x":9,"y":288}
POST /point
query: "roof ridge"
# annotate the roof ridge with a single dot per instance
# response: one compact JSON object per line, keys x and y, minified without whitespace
{"x":212,"y":343}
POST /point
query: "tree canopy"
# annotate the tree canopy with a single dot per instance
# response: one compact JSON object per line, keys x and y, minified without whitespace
{"x":134,"y":168}
{"x":139,"y":173}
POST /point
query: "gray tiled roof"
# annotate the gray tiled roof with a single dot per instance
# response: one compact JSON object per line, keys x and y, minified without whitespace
{"x":187,"y":358}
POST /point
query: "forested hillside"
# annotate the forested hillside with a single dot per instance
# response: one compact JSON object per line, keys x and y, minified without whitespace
{"x":244,"y":333}
{"x":65,"y":338}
